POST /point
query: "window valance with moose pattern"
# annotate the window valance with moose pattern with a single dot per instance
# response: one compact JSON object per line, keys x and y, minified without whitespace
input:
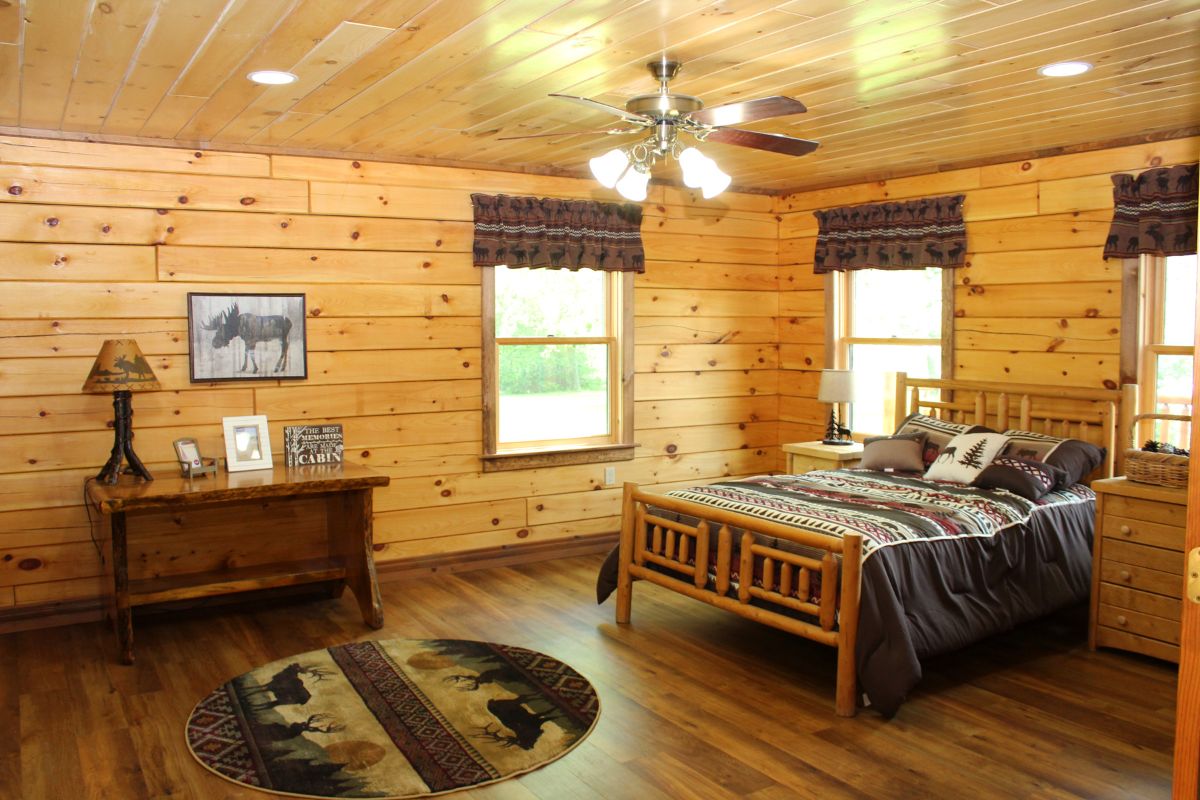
{"x":913,"y":234}
{"x":1154,"y":213}
{"x":557,"y":234}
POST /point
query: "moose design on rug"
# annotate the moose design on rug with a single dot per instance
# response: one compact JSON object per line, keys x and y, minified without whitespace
{"x":397,"y":718}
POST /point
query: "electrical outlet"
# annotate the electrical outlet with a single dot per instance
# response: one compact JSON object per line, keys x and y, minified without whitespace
{"x":610,"y":476}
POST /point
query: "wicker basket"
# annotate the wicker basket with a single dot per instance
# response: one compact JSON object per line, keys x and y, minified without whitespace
{"x":1160,"y":469}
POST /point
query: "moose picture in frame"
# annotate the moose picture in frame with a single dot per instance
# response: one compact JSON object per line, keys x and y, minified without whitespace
{"x":246,"y":337}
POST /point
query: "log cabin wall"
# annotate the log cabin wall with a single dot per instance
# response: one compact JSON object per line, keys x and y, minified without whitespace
{"x":98,"y":241}
{"x":1036,"y":302}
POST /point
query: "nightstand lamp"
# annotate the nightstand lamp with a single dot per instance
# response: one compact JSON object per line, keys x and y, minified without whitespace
{"x":121,"y":368}
{"x":837,"y":386}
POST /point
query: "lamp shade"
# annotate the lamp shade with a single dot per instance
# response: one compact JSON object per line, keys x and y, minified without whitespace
{"x":632,"y":185}
{"x":120,"y":366}
{"x":837,"y":386}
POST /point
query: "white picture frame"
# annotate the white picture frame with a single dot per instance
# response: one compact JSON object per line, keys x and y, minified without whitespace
{"x":247,"y":443}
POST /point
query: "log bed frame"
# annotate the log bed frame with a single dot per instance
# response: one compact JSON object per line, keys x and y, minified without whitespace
{"x":1101,"y":416}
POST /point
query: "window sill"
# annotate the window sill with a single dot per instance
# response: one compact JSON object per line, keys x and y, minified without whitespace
{"x":526,"y":459}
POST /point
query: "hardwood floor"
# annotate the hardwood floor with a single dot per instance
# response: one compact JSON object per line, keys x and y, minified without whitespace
{"x":696,"y":703}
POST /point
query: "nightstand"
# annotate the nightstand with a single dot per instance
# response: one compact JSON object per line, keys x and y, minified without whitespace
{"x":808,"y":456}
{"x":1137,"y":567}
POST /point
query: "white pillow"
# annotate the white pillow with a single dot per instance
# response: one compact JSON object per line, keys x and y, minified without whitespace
{"x":966,"y":455}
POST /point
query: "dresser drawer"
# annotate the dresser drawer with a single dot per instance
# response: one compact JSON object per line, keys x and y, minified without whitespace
{"x":1112,"y":637}
{"x":1148,"y":510}
{"x":1129,"y":529}
{"x":1148,"y":625}
{"x":1142,"y":602}
{"x":1140,"y":555}
{"x":1142,"y":578}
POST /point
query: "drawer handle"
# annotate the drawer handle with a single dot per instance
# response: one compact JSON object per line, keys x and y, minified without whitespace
{"x":1125,"y":576}
{"x":1121,"y":620}
{"x":1126,"y":530}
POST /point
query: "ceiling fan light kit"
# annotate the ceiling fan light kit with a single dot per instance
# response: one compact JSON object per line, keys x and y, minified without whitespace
{"x":663,"y":116}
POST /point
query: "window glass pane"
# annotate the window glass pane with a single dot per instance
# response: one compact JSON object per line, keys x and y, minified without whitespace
{"x":903,"y":303}
{"x":557,"y":391}
{"x":550,"y":302}
{"x":1179,"y":301}
{"x":870,"y":362}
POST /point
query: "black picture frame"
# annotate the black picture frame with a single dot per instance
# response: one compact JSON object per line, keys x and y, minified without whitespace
{"x":219,"y":325}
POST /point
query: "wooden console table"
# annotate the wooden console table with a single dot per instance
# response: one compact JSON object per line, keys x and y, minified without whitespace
{"x":348,"y":560}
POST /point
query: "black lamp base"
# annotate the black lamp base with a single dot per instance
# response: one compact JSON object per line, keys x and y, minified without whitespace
{"x":834,"y":433}
{"x":122,"y":448}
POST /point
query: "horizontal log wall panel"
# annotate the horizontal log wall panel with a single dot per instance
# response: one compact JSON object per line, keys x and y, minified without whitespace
{"x":278,"y":265}
{"x":713,"y":410}
{"x":705,"y":303}
{"x":61,"y":413}
{"x":697,"y":357}
{"x":1088,"y":370}
{"x":802,"y":330}
{"x":1039,"y":266}
{"x":66,"y":153}
{"x":151,"y":189}
{"x":705,"y":330}
{"x":302,"y":401}
{"x":802,"y":356}
{"x":33,"y":300}
{"x":83,"y":337}
{"x":75,"y":262}
{"x":1088,"y":300}
{"x":1041,"y":335}
{"x":668,"y":274}
{"x":393,"y":336}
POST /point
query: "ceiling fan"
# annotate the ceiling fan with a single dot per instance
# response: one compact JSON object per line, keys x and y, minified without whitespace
{"x":663,"y":116}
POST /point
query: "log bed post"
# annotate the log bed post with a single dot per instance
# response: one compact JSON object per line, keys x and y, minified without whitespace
{"x":625,"y":557}
{"x":847,"y":670}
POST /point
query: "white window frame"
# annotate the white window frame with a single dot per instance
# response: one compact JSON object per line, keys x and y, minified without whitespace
{"x":838,"y":336}
{"x":1147,"y":325}
{"x":618,"y":444}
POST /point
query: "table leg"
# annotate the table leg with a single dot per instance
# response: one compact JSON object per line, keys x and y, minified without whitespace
{"x":120,"y":571}
{"x":351,"y":538}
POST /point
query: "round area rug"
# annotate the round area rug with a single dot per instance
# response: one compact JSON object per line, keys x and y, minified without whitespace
{"x":392,"y":719}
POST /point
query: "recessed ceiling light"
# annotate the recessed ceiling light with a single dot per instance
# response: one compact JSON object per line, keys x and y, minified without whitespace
{"x":1064,"y":69}
{"x":272,"y":77}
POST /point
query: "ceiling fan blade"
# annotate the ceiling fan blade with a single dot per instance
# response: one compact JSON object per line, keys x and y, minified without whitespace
{"x":775,"y":142}
{"x":748,"y":111}
{"x":598,"y":106}
{"x":611,"y":132}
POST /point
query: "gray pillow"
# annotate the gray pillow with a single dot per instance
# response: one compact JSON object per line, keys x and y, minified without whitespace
{"x":901,"y":453}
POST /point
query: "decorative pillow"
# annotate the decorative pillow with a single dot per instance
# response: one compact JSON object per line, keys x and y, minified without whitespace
{"x":967,"y":455}
{"x":1076,"y":458}
{"x":1030,"y":479}
{"x":938,"y":433}
{"x":901,"y":453}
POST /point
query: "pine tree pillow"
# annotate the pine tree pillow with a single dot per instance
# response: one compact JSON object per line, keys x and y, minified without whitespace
{"x":966,"y":455}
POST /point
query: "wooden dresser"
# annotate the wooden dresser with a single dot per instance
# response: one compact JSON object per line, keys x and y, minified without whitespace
{"x":1137,"y":567}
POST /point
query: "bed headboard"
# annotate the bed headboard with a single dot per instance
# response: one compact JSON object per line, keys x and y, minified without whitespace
{"x":1099,"y":416}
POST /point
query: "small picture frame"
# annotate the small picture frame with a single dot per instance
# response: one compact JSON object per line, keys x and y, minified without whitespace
{"x":188,"y":453}
{"x":247,"y":443}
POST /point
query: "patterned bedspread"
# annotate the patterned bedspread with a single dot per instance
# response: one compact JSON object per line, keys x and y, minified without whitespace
{"x":887,"y":509}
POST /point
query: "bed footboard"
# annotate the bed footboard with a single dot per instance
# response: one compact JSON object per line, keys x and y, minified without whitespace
{"x":678,"y":556}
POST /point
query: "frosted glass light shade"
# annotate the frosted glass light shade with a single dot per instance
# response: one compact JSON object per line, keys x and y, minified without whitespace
{"x":608,"y":168}
{"x":837,"y":386}
{"x":715,"y":181}
{"x":695,"y":166}
{"x":632,"y":184}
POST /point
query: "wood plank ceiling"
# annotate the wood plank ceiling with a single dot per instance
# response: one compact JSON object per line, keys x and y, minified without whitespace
{"x":893,"y":86}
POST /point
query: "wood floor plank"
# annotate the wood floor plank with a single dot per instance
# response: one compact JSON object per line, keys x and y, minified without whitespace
{"x":695,"y":703}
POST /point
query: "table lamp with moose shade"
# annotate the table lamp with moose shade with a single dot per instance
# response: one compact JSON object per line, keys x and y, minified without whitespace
{"x":837,"y":386}
{"x":121,"y":368}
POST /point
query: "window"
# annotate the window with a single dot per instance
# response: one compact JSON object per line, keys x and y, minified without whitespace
{"x":557,"y":344}
{"x":1167,"y":343}
{"x":887,"y":321}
